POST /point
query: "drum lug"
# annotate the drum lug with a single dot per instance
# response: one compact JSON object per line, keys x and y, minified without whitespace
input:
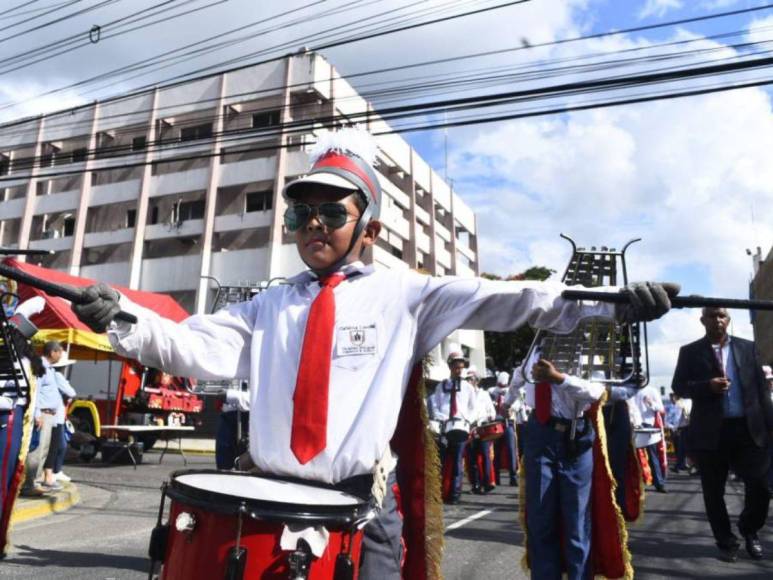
{"x":300,"y":561}
{"x":158,"y":541}
{"x":237,"y":560}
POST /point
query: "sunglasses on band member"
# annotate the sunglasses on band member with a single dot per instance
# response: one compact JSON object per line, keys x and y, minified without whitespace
{"x":332,"y":215}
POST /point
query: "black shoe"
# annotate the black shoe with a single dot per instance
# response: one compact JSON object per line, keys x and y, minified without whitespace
{"x":454,"y":501}
{"x":488,"y":488}
{"x":728,"y":553}
{"x":476,"y":489}
{"x":661,"y":489}
{"x":753,"y":546}
{"x":513,"y":482}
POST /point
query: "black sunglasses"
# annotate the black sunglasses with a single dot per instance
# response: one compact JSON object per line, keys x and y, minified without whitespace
{"x":332,"y":215}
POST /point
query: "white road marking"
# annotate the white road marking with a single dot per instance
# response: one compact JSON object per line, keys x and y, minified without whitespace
{"x":469,"y":519}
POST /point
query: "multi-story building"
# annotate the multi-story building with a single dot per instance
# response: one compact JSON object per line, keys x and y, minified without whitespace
{"x":762,"y":288}
{"x":160,"y":189}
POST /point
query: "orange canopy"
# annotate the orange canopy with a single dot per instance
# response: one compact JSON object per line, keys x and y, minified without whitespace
{"x":58,"y":322}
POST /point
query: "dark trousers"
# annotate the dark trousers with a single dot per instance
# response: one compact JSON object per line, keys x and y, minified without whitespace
{"x":680,"y":443}
{"x":479,"y":477}
{"x":558,"y":489}
{"x":454,"y":453}
{"x":14,"y":445}
{"x":653,"y":455}
{"x":618,"y":427}
{"x":382,"y":545}
{"x":226,"y":444}
{"x":737,"y":451}
{"x":57,"y":437}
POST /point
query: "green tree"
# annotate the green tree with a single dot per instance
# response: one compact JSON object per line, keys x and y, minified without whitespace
{"x":507,"y":349}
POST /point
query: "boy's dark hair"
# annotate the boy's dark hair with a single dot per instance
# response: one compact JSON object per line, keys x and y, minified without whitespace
{"x":52,"y":346}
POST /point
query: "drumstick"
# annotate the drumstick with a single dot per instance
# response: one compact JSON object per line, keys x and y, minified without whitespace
{"x":74,"y":295}
{"x":676,"y":301}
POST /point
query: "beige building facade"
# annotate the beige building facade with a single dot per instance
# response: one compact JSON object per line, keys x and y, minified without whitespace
{"x":161,"y":189}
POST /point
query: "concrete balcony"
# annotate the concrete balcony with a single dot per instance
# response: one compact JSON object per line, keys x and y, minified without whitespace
{"x":57,"y":202}
{"x":165,"y":231}
{"x":55,"y":244}
{"x":250,"y":171}
{"x":465,"y":251}
{"x":464,"y":271}
{"x":243,"y":221}
{"x":423,"y":242}
{"x":171,"y":274}
{"x":12,"y":209}
{"x":240,"y":266}
{"x":394,"y":192}
{"x":117,"y":192}
{"x":113,"y":273}
{"x":442,"y":256}
{"x":169,"y":151}
{"x":16,"y":182}
{"x":179,"y":182}
{"x":422,"y":216}
{"x":109,"y":238}
{"x":383,"y":259}
{"x":442,"y":232}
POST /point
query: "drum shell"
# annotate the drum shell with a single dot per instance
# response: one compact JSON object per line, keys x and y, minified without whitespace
{"x":203,"y":552}
{"x":456,"y":430}
{"x":490,"y":431}
{"x":646,"y":437}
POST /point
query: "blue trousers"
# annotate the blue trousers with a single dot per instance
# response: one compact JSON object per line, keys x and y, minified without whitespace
{"x":658,"y":479}
{"x":558,"y":486}
{"x":680,"y":442}
{"x":226,"y":445}
{"x":479,"y":479}
{"x":509,"y":439}
{"x":454,"y":452}
{"x":618,"y":426}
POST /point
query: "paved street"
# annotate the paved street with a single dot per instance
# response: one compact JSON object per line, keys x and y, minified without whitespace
{"x":106,"y":536}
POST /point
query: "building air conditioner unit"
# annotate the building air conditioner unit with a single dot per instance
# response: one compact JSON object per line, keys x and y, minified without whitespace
{"x":50,"y":235}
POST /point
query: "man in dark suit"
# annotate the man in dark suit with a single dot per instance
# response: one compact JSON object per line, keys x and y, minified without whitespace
{"x":730,"y":426}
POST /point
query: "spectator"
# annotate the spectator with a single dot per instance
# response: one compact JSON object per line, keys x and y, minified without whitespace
{"x":56,"y":453}
{"x":232,"y":427}
{"x":650,"y":405}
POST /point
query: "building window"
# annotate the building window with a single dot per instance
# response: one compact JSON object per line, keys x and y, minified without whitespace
{"x":131,"y":218}
{"x":265,"y":119}
{"x":154,"y":215}
{"x":79,"y":154}
{"x":259,"y":201}
{"x":397,"y":253}
{"x":196,"y":132}
{"x":68,"y":226}
{"x":5,"y":164}
{"x":139,"y":143}
{"x":189,"y":210}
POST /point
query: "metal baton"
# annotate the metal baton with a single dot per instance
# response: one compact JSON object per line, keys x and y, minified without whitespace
{"x":74,"y":295}
{"x":691,"y":301}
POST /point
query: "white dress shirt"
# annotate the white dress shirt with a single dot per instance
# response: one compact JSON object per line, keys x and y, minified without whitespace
{"x":568,"y":400}
{"x":649,"y":403}
{"x":236,"y":400}
{"x":466,"y":402}
{"x":484,"y":406}
{"x":386,"y":321}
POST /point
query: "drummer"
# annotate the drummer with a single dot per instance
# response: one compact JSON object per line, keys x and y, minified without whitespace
{"x":509,"y":403}
{"x":329,"y":355}
{"x":558,"y":472}
{"x":479,"y":452}
{"x":453,"y":399}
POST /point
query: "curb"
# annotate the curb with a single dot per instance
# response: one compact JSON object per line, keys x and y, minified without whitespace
{"x":27,"y":509}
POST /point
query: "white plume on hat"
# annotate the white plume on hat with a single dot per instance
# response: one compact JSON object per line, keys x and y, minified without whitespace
{"x":31,"y":307}
{"x":353,"y":140}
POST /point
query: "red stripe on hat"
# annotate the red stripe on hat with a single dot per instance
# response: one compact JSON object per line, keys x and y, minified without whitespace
{"x":346,"y":163}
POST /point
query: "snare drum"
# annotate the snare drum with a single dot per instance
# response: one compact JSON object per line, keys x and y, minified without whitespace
{"x":646,"y":436}
{"x":490,"y":430}
{"x":456,"y":430}
{"x":230,"y":525}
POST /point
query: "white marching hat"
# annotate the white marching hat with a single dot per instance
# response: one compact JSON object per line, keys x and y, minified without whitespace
{"x":503,"y":378}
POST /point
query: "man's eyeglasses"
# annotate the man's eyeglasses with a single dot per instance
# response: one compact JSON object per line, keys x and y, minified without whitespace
{"x":332,"y":215}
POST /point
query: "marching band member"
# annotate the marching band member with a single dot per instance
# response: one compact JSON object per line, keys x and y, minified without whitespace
{"x":559,"y":472}
{"x":453,"y":399}
{"x":329,"y":355}
{"x":479,"y":455}
{"x":508,"y":404}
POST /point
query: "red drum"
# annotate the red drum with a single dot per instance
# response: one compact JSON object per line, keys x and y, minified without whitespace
{"x":230,"y":525}
{"x":490,"y":430}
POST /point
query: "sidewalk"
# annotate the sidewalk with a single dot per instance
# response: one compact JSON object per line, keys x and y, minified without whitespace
{"x":194,"y":447}
{"x":31,"y":508}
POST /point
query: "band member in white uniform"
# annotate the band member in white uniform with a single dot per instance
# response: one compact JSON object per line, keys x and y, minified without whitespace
{"x":479,"y":452}
{"x":508,"y":403}
{"x":453,"y":404}
{"x":328,"y":356}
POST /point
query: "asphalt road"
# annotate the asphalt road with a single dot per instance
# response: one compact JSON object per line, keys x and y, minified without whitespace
{"x":106,"y":536}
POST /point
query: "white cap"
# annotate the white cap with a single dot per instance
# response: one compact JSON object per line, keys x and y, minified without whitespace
{"x":503,"y":379}
{"x":65,"y":361}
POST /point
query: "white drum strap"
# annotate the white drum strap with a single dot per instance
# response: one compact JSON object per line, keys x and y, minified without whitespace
{"x":316,"y":537}
{"x":381,"y":471}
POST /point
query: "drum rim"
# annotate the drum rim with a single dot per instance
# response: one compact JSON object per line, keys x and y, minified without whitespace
{"x":264,"y":509}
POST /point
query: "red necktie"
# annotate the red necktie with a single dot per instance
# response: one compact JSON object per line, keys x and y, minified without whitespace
{"x":310,"y":399}
{"x":543,"y":393}
{"x":453,"y":399}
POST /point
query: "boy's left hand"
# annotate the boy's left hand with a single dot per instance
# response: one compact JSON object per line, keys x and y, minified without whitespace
{"x":544,"y":371}
{"x":646,"y":301}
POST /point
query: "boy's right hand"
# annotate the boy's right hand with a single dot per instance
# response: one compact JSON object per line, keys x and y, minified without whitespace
{"x":99,"y":307}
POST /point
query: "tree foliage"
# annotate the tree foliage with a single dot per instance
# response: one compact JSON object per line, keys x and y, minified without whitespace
{"x":507,"y":349}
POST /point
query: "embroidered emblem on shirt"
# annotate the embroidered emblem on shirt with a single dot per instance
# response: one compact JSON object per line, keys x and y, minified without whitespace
{"x":356,"y":339}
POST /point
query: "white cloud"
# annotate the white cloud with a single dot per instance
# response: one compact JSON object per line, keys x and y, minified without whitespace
{"x":659,"y":7}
